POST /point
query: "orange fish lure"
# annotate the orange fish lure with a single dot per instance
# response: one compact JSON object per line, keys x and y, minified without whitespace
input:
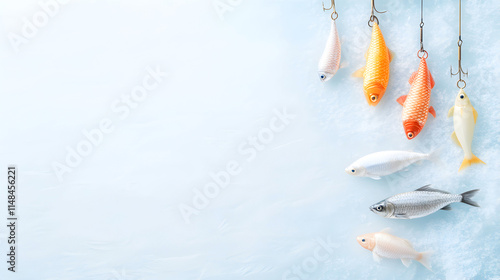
{"x":376,"y":72}
{"x":416,"y":103}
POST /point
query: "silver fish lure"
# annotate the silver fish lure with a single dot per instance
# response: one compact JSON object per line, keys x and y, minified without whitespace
{"x":419,"y":203}
{"x":330,"y":60}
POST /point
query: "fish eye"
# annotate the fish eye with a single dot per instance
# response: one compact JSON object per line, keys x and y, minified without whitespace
{"x":363,"y":240}
{"x":353,"y":171}
{"x":410,"y":134}
{"x":322,"y":77}
{"x":462,"y":96}
{"x":374,"y":98}
{"x":380,"y":207}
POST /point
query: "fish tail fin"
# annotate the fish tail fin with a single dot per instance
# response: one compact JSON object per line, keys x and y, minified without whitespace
{"x":435,"y":157}
{"x":424,"y":259}
{"x":470,"y":161}
{"x":467,"y":198}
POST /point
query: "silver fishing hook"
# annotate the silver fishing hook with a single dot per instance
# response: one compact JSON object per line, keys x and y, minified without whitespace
{"x":374,"y":18}
{"x":460,"y":71}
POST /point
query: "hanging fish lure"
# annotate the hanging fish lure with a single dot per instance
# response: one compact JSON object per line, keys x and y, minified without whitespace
{"x":416,"y":103}
{"x":330,"y":60}
{"x":376,"y":72}
{"x":464,"y":121}
{"x":464,"y":115}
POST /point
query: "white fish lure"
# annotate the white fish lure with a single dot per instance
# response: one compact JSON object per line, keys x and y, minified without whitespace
{"x":385,"y":245}
{"x":330,"y":60}
{"x":384,"y":163}
{"x":464,"y":121}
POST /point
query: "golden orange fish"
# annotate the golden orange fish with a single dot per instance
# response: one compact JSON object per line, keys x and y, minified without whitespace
{"x":376,"y":72}
{"x":416,"y":103}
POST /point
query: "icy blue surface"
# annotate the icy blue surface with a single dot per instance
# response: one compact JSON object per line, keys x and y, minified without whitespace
{"x":290,"y":212}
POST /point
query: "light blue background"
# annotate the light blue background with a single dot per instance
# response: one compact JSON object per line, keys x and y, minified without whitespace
{"x":116,"y":215}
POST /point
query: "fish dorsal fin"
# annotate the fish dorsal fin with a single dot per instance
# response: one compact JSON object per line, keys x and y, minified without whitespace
{"x":401,"y":100}
{"x":408,"y":243}
{"x":429,"y":189}
{"x":424,"y":188}
{"x":386,"y":230}
{"x":406,"y":262}
{"x":359,"y":73}
{"x":432,"y":111}
{"x":391,"y":54}
{"x":451,"y":111}
{"x":412,"y":77}
{"x":432,"y":80}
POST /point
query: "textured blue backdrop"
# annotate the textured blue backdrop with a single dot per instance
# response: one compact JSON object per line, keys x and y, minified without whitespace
{"x":242,"y":103}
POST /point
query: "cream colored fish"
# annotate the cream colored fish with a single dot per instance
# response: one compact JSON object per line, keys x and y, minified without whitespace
{"x":464,"y":121}
{"x":330,"y":60}
{"x":385,"y":245}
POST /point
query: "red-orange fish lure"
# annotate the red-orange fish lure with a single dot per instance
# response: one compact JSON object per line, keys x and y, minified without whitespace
{"x":416,"y":103}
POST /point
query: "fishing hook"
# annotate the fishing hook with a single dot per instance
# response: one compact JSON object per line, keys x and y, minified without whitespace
{"x":334,"y":15}
{"x":374,"y":18}
{"x":460,"y":71}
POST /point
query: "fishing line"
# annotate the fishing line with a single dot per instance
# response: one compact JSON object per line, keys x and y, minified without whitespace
{"x":459,"y":43}
{"x":422,"y":50}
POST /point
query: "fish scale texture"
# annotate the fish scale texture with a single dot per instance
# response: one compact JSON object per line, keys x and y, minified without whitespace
{"x":393,"y":247}
{"x":377,"y":63}
{"x":330,"y":60}
{"x":416,"y":106}
{"x":421,"y":203}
